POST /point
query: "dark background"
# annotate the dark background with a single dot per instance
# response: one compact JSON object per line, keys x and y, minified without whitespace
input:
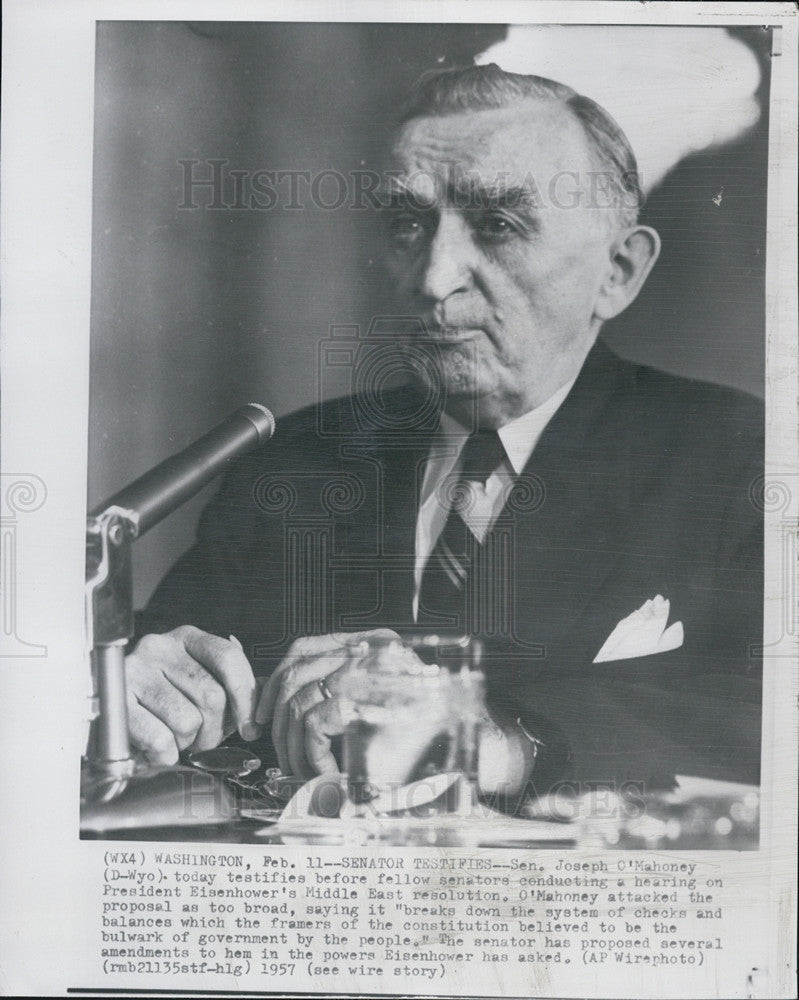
{"x":195,"y":312}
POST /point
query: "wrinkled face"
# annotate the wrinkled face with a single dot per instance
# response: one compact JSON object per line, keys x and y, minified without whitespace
{"x":492,"y":241}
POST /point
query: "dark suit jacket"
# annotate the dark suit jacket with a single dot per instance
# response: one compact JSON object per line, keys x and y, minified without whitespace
{"x":642,"y":484}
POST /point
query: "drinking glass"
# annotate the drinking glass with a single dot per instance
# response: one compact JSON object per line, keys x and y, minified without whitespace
{"x":418,"y":707}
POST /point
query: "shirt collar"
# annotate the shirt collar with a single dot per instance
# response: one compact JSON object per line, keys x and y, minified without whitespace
{"x":520,"y":436}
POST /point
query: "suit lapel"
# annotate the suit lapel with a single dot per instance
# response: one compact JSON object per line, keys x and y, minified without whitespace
{"x":381,"y":562}
{"x":571,"y":502}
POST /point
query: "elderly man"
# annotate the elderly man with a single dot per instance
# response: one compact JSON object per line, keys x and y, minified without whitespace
{"x":589,"y":518}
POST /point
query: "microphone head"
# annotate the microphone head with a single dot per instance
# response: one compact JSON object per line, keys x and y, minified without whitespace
{"x":261,"y":418}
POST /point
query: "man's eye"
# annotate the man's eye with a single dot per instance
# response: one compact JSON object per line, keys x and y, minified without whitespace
{"x":405,"y":228}
{"x":494,"y":227}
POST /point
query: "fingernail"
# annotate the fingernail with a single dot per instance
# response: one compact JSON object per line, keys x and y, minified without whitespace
{"x":250,"y":731}
{"x":235,"y":641}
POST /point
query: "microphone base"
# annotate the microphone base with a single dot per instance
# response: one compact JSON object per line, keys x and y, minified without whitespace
{"x":181,"y":797}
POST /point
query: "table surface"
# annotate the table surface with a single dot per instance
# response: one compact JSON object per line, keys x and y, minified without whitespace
{"x":698,"y":814}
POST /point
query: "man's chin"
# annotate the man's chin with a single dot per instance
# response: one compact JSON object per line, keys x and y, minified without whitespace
{"x":452,"y":384}
{"x":455,"y":394}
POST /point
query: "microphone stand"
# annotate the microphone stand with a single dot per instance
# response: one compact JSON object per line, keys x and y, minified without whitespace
{"x":118,"y":790}
{"x":109,"y":626}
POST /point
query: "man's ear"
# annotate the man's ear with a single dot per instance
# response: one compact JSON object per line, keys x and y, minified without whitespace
{"x":632,"y":256}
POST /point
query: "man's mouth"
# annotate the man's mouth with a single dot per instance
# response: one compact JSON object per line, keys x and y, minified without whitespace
{"x":451,"y":334}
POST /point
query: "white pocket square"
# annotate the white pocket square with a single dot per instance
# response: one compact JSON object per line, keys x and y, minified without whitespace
{"x":642,"y":633}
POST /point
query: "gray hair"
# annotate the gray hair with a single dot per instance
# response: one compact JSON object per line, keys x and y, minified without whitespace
{"x":473,"y":88}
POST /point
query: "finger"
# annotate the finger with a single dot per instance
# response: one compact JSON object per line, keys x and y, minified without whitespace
{"x":322,"y":723}
{"x":266,"y":700}
{"x":307,"y":648}
{"x":232,"y":669}
{"x":156,"y":693}
{"x":151,"y":735}
{"x":299,"y":651}
{"x":302,"y":702}
{"x":260,"y":684}
{"x":298,"y":677}
{"x":313,"y":661}
{"x":177,"y":713}
{"x":209,"y":698}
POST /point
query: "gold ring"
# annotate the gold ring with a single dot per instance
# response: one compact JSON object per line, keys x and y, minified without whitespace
{"x":322,"y":685}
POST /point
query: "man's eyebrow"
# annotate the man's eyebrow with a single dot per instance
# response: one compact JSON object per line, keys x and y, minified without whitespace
{"x":394,"y":198}
{"x":468,"y":195}
{"x":474,"y":195}
{"x":393,"y":192}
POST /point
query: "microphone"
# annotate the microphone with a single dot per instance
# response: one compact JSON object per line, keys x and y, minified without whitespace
{"x":163,"y":489}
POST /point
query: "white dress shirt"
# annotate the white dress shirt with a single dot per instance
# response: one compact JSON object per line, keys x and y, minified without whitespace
{"x":519,"y":438}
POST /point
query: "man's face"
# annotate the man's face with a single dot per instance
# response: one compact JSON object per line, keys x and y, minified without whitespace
{"x":491,"y":240}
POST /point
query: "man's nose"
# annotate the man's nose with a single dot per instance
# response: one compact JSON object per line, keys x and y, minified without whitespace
{"x":446,"y":269}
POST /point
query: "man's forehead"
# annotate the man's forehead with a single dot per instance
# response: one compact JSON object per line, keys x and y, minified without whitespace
{"x":500,"y":146}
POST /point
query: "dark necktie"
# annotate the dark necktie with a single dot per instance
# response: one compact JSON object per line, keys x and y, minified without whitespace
{"x":444,"y":593}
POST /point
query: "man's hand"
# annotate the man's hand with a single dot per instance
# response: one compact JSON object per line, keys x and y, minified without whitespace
{"x":188,"y":689}
{"x":304,"y":719}
{"x":506,"y":757}
{"x":305,"y":716}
